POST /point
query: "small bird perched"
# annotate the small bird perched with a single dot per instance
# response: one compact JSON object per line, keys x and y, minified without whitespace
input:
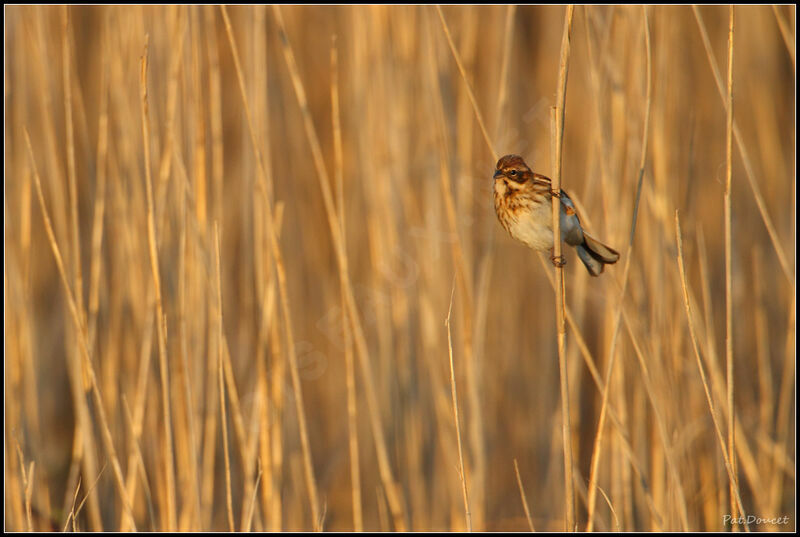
{"x":522,"y":201}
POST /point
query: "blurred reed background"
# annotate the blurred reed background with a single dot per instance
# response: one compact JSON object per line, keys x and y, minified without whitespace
{"x":115,"y":421}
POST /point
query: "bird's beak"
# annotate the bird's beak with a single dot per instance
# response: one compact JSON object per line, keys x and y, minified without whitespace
{"x":497,"y":174}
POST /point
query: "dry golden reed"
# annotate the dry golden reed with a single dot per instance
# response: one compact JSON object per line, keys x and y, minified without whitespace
{"x":231,"y":236}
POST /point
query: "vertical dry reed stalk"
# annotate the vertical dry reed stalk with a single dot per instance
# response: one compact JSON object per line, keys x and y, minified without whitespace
{"x":138,"y":467}
{"x":745,"y":154}
{"x":220,"y":376}
{"x":71,"y":514}
{"x":72,"y":180}
{"x":27,"y":487}
{"x":523,"y":497}
{"x":83,"y":448}
{"x":729,"y":272}
{"x":465,"y":278}
{"x":393,"y":495}
{"x":100,"y":197}
{"x":461,"y":70}
{"x":502,"y":91}
{"x":786,"y":33}
{"x":350,"y":380}
{"x":280,"y":273}
{"x":734,"y":486}
{"x":557,"y":134}
{"x":454,"y":394}
{"x":597,"y":449}
{"x":84,"y":346}
{"x":161,"y":318}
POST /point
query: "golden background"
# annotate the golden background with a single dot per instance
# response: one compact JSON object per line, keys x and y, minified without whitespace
{"x":410,"y":175}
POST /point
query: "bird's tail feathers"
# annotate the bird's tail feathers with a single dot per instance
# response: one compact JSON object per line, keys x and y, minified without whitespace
{"x":596,"y":255}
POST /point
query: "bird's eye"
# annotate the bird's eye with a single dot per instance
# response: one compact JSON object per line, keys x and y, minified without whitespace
{"x":513,"y":172}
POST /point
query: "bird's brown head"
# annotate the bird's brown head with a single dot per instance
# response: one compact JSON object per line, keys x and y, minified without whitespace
{"x":513,"y":168}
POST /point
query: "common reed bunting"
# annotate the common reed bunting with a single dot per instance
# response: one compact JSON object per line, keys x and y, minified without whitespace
{"x":522,"y":201}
